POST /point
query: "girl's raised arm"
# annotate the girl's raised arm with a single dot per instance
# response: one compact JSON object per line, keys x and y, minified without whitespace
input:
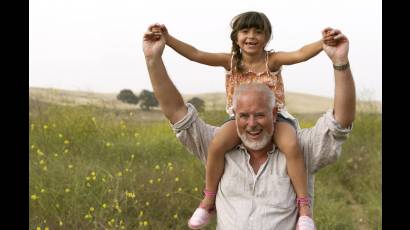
{"x":192,"y":53}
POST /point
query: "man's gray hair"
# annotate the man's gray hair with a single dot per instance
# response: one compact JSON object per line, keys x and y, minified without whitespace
{"x":255,"y":87}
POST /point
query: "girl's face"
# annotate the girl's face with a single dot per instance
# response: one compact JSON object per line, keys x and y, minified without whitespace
{"x":251,"y":40}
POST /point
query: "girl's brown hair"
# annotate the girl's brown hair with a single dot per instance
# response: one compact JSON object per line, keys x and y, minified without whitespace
{"x":246,"y":20}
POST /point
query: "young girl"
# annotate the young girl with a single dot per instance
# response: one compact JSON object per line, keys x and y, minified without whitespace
{"x":249,"y":62}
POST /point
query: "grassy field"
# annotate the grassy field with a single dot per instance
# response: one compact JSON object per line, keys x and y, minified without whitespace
{"x":102,"y":168}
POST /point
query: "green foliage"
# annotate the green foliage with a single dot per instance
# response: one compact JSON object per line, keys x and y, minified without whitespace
{"x":198,"y":103}
{"x":95,"y":168}
{"x":148,"y":100}
{"x":127,"y":96}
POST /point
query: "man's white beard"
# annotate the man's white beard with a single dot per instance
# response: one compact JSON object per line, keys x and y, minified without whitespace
{"x":255,"y":145}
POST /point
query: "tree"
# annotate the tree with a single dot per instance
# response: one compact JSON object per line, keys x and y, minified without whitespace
{"x":198,"y":103}
{"x":127,"y":96}
{"x":148,"y":100}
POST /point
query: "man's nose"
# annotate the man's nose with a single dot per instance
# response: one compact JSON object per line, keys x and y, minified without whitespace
{"x":252,"y":121}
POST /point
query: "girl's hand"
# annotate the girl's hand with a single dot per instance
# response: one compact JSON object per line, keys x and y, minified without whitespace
{"x":338,"y":52}
{"x":159,"y":30}
{"x":153,"y":44}
{"x":328,"y":37}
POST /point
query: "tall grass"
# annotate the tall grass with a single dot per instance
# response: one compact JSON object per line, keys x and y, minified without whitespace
{"x":93,"y":168}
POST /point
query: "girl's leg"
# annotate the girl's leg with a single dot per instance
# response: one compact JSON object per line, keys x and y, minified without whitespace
{"x":286,"y":139}
{"x":225,"y":140}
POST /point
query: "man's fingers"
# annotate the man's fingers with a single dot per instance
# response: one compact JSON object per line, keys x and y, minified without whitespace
{"x":151,"y":36}
{"x":339,"y":36}
{"x":326,"y":30}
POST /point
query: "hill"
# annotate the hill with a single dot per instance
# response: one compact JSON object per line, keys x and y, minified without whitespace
{"x":295,"y":102}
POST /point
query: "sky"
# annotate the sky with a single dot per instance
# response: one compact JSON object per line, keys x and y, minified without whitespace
{"x":96,"y":45}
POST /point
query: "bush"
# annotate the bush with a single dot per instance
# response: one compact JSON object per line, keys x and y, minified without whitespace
{"x":148,"y":100}
{"x":127,"y":96}
{"x":198,"y":103}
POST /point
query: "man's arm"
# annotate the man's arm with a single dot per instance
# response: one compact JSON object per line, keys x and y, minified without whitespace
{"x":321,"y":144}
{"x":345,"y":93}
{"x":169,"y":98}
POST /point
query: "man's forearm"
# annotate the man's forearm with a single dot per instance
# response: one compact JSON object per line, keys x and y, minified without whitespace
{"x":170,"y":100}
{"x":345,"y":96}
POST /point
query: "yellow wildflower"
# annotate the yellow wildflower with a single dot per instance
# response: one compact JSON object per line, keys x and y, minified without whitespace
{"x":104,"y":205}
{"x":176,"y":179}
{"x":67,"y":190}
{"x":40,"y":153}
{"x":66,"y":142}
{"x":34,"y":197}
{"x":175,"y":216}
{"x":70,"y":166}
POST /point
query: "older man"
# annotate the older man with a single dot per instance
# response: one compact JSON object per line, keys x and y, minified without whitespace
{"x":255,"y":191}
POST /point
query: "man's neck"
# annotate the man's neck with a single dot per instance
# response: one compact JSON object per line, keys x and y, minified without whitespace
{"x":258,"y":157}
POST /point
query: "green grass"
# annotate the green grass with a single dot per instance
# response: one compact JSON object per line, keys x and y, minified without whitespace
{"x":93,"y":168}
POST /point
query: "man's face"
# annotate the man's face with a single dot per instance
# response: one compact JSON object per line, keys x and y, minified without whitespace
{"x":254,"y":120}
